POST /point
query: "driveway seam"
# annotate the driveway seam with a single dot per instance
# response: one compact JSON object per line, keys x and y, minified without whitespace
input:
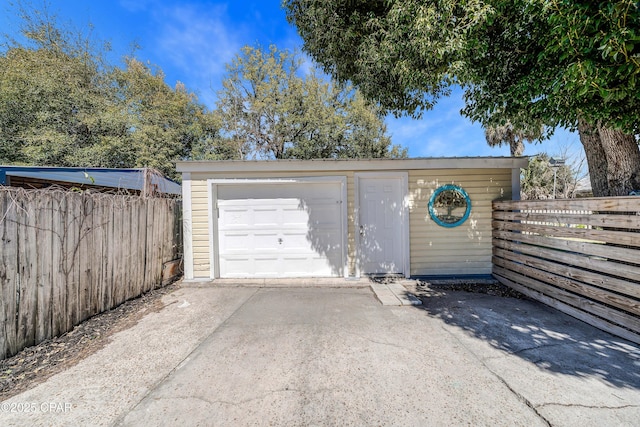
{"x":502,"y":380}
{"x":119,"y":420}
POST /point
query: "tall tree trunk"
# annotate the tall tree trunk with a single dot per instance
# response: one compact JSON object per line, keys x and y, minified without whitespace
{"x":613,"y":158}
{"x":516,"y":147}
{"x":596,"y":159}
{"x":623,"y":161}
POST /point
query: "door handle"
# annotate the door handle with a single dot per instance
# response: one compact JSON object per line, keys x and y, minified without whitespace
{"x":362,"y":230}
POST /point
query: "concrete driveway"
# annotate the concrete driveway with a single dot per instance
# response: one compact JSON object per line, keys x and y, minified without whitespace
{"x":318,"y":356}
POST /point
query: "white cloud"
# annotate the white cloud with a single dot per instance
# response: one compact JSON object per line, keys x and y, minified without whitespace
{"x":198,"y":41}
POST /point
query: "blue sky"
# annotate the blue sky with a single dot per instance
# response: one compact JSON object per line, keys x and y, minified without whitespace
{"x":192,"y":40}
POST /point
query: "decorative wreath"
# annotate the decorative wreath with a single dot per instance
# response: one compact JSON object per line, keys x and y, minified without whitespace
{"x":449,"y":205}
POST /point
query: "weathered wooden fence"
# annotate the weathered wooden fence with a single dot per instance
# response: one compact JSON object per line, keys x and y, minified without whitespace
{"x":581,"y":256}
{"x":66,"y":256}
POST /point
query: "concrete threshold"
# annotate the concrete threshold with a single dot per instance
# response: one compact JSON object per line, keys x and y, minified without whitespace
{"x":309,"y":282}
{"x":394,"y":294}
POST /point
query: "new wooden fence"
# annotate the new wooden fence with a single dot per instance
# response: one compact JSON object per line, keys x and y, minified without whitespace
{"x":581,"y":256}
{"x":66,"y":256}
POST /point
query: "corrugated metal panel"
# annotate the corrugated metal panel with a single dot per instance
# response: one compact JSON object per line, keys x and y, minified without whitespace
{"x":129,"y":179}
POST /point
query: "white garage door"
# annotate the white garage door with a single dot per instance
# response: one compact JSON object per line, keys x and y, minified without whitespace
{"x":280,"y":230}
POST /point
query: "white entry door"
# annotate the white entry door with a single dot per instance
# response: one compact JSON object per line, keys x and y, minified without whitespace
{"x":381,"y":225}
{"x":280,"y":230}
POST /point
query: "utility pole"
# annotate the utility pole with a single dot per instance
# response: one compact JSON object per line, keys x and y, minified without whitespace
{"x":555,"y":164}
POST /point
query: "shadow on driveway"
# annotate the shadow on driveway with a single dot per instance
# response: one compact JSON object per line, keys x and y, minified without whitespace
{"x":541,"y":335}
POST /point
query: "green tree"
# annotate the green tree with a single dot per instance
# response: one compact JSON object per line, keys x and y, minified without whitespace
{"x":53,"y":104}
{"x":164,"y":124}
{"x":63,"y":104}
{"x":523,"y":62}
{"x":267,"y":110}
{"x":507,"y":135}
{"x":537,"y":180}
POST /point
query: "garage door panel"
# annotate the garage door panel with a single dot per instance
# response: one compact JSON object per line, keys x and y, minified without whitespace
{"x":266,"y":192}
{"x":235,"y":242}
{"x":295,"y":218}
{"x":265,"y":241}
{"x":236,"y":267}
{"x":312,"y":267}
{"x":235,"y":217}
{"x":267,"y":217}
{"x":280,"y":230}
{"x":266,"y":267}
{"x":325,"y":218}
{"x":314,"y":243}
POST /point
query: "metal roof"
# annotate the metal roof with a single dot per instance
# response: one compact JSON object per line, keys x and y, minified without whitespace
{"x":129,"y":179}
{"x":352,"y":164}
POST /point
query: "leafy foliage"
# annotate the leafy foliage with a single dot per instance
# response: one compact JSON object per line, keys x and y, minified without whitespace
{"x":522,"y":60}
{"x":268,"y":111}
{"x":527,"y":64}
{"x":404,"y":54}
{"x":537,"y":180}
{"x":514,"y":138}
{"x":556,"y":62}
{"x":62,"y":104}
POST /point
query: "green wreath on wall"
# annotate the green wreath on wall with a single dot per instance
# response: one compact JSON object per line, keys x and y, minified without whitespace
{"x":449,"y":205}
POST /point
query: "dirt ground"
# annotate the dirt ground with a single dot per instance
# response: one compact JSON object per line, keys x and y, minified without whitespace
{"x":425,"y":289}
{"x":36,"y":364}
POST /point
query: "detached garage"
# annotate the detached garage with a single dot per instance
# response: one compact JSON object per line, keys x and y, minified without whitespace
{"x":342,"y":218}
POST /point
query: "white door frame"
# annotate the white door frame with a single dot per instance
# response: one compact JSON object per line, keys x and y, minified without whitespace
{"x":212,"y":185}
{"x":404,"y":216}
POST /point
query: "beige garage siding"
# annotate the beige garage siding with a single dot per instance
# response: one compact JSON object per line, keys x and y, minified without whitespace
{"x":435,"y":250}
{"x":200,"y":233}
{"x":466,"y":249}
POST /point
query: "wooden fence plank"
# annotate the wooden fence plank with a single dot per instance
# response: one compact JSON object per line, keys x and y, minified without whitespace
{"x":140,"y":247}
{"x":617,"y":221}
{"x":58,"y":289}
{"x":571,"y":311}
{"x":159,"y":238}
{"x":132,"y":253}
{"x":592,"y":278}
{"x":592,"y":307}
{"x":45,"y":268}
{"x":110,"y":271}
{"x":8,"y":273}
{"x":96,"y":267}
{"x":3,"y":315}
{"x":607,"y":204}
{"x":125,"y":248}
{"x":625,"y":271}
{"x":592,"y":272}
{"x":552,"y":279}
{"x":119,"y":252}
{"x":595,"y":249}
{"x":149,"y":245}
{"x":68,"y":256}
{"x":28,"y":274}
{"x":69,"y":243}
{"x":84,"y":258}
{"x":608,"y":236}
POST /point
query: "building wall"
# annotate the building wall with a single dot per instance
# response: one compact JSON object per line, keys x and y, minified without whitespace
{"x":435,"y":250}
{"x":462,"y":250}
